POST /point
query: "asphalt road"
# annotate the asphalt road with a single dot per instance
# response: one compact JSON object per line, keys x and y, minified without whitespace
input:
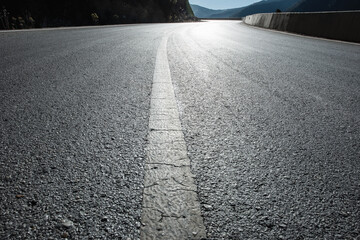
{"x":271,"y":123}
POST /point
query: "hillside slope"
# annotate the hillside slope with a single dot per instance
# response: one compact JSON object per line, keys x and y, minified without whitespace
{"x":325,"y":5}
{"x":266,"y":6}
{"x":44,"y":13}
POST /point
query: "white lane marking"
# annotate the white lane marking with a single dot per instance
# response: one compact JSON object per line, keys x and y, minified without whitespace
{"x":171,"y":209}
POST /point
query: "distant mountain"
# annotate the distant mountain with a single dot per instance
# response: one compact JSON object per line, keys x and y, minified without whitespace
{"x":325,"y":5}
{"x":228,"y":13}
{"x":44,"y":13}
{"x":202,"y":12}
{"x":266,"y":6}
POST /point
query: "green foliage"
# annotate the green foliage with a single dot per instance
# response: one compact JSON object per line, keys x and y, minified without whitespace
{"x":20,"y":22}
{"x":31,"y":21}
{"x":9,"y":21}
{"x":94,"y":18}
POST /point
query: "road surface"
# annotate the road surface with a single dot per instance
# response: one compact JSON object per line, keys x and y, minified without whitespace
{"x":269,"y":123}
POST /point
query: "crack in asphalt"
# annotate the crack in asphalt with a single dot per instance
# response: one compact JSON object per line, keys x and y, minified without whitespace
{"x":184,"y":201}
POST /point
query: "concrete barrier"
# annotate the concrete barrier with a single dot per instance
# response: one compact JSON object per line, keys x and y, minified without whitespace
{"x":343,"y":26}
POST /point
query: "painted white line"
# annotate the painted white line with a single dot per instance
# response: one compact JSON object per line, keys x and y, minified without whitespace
{"x":171,"y":209}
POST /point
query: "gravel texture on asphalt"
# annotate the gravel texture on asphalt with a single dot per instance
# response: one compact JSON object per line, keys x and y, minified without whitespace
{"x":271,"y":123}
{"x":272,"y":126}
{"x":74,"y":121}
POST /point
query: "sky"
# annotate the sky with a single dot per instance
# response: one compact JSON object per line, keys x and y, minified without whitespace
{"x":222,"y":4}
